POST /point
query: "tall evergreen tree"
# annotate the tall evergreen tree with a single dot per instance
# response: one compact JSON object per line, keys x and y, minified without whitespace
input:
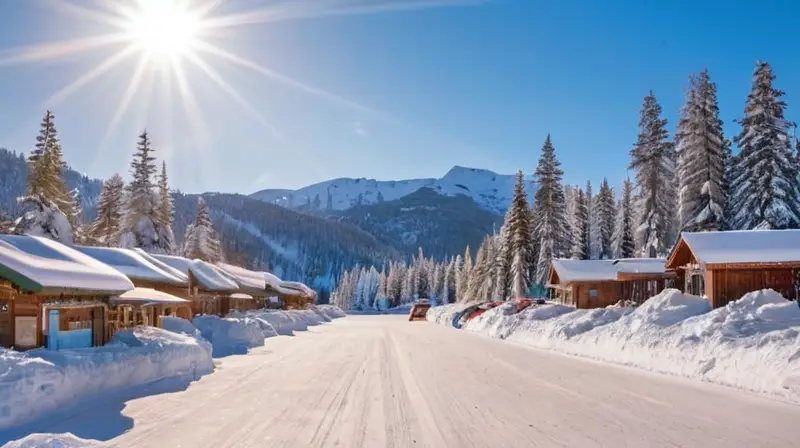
{"x":550,"y":232}
{"x":479,"y":277}
{"x":105,"y":229}
{"x":165,"y":213}
{"x":702,"y":153}
{"x":580,"y":231}
{"x":624,"y":246}
{"x":139,"y":227}
{"x":462,"y":287}
{"x":516,"y":249}
{"x":764,"y":182}
{"x":653,"y":158}
{"x":605,"y":216}
{"x":502,"y":262}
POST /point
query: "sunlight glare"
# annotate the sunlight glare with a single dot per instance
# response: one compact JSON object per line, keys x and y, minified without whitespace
{"x":163,"y":27}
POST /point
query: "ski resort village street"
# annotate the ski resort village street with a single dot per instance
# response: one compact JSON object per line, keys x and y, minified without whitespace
{"x":375,"y":381}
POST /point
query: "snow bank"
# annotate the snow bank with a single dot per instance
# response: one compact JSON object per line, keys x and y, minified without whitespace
{"x":179,"y":325}
{"x":445,"y":314}
{"x":310,"y":317}
{"x":230,"y":335}
{"x":332,"y":311}
{"x":319,"y":312}
{"x":39,"y":381}
{"x":66,"y":440}
{"x":752,"y":343}
{"x":266,"y":327}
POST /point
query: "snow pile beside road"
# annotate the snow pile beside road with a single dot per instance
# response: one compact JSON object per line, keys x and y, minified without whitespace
{"x":179,"y":325}
{"x":66,"y":440}
{"x":752,"y":343}
{"x":445,"y":314}
{"x":309,"y":317}
{"x":318,"y":312}
{"x":332,"y":311}
{"x":39,"y":381}
{"x":230,"y":335}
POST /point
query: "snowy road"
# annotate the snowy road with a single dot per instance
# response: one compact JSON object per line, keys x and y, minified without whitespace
{"x":374,"y":381}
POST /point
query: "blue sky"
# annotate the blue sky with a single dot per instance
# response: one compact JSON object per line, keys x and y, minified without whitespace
{"x":475,"y":84}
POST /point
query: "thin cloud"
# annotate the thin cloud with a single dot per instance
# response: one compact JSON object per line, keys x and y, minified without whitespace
{"x":358,"y":128}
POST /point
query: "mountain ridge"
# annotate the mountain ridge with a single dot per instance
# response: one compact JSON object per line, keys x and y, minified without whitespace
{"x":490,"y":190}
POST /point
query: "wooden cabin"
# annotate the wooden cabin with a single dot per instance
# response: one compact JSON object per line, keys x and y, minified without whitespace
{"x":290,"y":295}
{"x":724,"y":266}
{"x":147,"y":273}
{"x":600,"y":283}
{"x":209,"y":288}
{"x":54,"y":296}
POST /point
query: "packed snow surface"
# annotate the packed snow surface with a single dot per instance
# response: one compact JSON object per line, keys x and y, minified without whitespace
{"x":39,"y":381}
{"x":752,"y":343}
{"x":382,"y":381}
{"x":133,"y":264}
{"x":744,"y":246}
{"x":56,"y":266}
{"x":230,"y":335}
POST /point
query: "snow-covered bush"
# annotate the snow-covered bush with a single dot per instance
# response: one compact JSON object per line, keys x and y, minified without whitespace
{"x":40,"y":381}
{"x":43,"y":218}
{"x":230,"y":335}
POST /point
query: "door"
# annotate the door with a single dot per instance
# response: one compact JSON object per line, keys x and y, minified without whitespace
{"x":25,"y":332}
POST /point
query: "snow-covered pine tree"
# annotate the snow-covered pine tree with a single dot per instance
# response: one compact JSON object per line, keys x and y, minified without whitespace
{"x":764,"y":185}
{"x":462,"y":289}
{"x":550,"y":210}
{"x":456,"y":278}
{"x":605,"y":215}
{"x":407,"y":294}
{"x":502,"y":262}
{"x":422,"y":289}
{"x":444,"y":292}
{"x":653,"y":158}
{"x":593,"y":230}
{"x":624,"y":246}
{"x":43,"y":218}
{"x":104,"y":231}
{"x":138,"y":224}
{"x":165,"y":213}
{"x":436,"y":283}
{"x":45,"y":172}
{"x":479,"y":277}
{"x":517,"y":246}
{"x":200,"y":240}
{"x":701,"y":148}
{"x":580,"y":230}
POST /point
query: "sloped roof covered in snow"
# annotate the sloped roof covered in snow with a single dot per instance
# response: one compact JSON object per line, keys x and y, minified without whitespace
{"x":570,"y":271}
{"x":208,"y":277}
{"x":163,"y":266}
{"x":43,"y":266}
{"x":738,"y":246}
{"x":245,"y":278}
{"x":133,"y":264}
{"x":147,"y":295}
{"x":299,"y":287}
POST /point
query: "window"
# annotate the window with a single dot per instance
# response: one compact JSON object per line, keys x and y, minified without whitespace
{"x":592,"y":292}
{"x":697,"y":285}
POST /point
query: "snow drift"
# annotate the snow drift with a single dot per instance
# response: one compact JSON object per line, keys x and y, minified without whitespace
{"x":752,"y":343}
{"x":40,"y":381}
{"x":230,"y":335}
{"x":332,"y":311}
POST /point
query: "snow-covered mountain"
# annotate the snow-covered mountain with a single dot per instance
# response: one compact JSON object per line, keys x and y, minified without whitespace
{"x":488,"y":189}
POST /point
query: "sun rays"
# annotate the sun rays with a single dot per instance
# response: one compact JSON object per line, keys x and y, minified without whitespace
{"x":160,"y":41}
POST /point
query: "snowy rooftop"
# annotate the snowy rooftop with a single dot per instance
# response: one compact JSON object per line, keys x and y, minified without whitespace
{"x":241,"y":296}
{"x":745,"y":246}
{"x":598,"y":270}
{"x":163,"y":266}
{"x":245,"y":278}
{"x":147,"y":295}
{"x":43,"y":266}
{"x":299,"y":287}
{"x":207,"y":275}
{"x":133,"y":264}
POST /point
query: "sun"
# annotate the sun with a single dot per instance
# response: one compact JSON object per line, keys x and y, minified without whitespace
{"x":163,"y":28}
